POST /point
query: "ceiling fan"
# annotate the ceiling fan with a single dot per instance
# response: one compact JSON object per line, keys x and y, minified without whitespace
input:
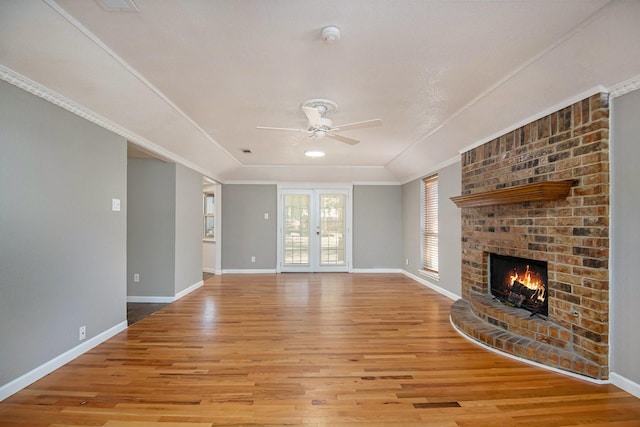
{"x":320,"y":126}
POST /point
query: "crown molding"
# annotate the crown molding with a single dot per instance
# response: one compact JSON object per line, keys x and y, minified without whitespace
{"x":625,"y":87}
{"x":28,"y":85}
{"x":136,"y":74}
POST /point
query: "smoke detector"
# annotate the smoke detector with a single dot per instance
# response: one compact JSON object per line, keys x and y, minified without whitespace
{"x":330,"y":34}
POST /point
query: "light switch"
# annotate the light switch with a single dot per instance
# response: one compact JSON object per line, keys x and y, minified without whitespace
{"x":115,"y":205}
{"x":266,"y":215}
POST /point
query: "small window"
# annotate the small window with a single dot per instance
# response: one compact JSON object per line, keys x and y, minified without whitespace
{"x":209,"y":216}
{"x":430,"y":225}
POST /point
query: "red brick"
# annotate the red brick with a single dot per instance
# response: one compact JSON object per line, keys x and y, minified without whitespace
{"x":571,"y":234}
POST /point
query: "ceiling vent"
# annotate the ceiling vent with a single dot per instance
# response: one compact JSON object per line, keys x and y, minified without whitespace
{"x":118,"y":5}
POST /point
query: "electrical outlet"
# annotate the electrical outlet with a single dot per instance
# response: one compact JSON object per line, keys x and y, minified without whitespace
{"x":82,"y":332}
{"x":253,"y":259}
{"x":406,"y":261}
{"x":136,"y":277}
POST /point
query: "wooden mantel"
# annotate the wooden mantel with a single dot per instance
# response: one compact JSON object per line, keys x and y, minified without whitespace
{"x":547,"y":190}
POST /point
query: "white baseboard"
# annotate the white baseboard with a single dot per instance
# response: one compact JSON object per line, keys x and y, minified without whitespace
{"x":162,"y":300}
{"x":209,"y":270}
{"x":250,"y":271}
{"x":625,"y":384}
{"x":55,"y":363}
{"x":375,"y":270}
{"x":166,"y":300}
{"x":188,"y":290}
{"x":428,"y":284}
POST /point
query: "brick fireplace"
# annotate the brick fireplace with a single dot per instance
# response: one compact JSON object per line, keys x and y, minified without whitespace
{"x":570,"y":234}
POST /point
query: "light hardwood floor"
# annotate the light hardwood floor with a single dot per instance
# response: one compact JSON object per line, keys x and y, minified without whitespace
{"x":308,"y":349}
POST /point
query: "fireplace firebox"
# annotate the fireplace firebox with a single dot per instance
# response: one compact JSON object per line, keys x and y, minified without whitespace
{"x":519,"y":282}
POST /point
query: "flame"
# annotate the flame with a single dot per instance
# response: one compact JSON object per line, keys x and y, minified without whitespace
{"x":535,"y":284}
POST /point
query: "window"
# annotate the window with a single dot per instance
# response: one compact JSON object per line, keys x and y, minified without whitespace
{"x":209,"y":215}
{"x":430,"y":225}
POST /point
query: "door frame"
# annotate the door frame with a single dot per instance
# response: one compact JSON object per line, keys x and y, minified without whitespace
{"x":315,"y":187}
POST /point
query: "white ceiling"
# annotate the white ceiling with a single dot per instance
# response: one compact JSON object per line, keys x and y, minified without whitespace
{"x":191,"y":79}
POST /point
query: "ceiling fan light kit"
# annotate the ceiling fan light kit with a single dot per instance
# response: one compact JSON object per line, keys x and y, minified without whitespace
{"x":314,"y":153}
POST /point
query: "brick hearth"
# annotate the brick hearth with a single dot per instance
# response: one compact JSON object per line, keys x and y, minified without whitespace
{"x":572,"y":235}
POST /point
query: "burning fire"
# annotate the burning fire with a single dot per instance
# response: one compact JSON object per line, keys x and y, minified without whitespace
{"x":525,"y":279}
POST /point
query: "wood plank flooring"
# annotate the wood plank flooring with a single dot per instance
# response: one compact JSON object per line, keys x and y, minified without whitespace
{"x":308,"y":349}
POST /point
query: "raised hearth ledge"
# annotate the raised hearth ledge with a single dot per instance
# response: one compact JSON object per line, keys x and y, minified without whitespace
{"x":537,"y":191}
{"x":518,"y":347}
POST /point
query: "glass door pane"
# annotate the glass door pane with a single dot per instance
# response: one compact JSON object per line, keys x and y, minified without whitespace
{"x":296,"y":229}
{"x":332,"y":229}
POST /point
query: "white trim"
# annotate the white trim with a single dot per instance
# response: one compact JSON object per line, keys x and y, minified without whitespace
{"x":625,"y":87}
{"x":365,"y":183}
{"x":430,"y":285}
{"x":375,"y":270}
{"x":55,"y":363}
{"x":219,"y":272}
{"x":187,"y":291}
{"x":166,"y":300}
{"x":314,"y":186}
{"x":249,"y":271}
{"x":557,"y":107}
{"x":625,"y":384}
{"x":529,"y":362}
{"x":209,"y":270}
{"x":248,"y":182}
{"x":61,"y":101}
{"x":152,"y":299}
{"x":429,"y":276}
{"x":309,"y":166}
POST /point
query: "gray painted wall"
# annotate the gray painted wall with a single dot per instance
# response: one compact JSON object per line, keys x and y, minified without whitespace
{"x":411,"y":217}
{"x":377,"y":226}
{"x":151,"y":222}
{"x":450,"y":228}
{"x":164,"y":239}
{"x":188,"y":238}
{"x":449,"y":222}
{"x":245,"y":232}
{"x":62,"y":249}
{"x":625,"y":233}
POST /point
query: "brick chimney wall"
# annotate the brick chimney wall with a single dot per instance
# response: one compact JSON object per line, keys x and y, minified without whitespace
{"x":572,"y":235}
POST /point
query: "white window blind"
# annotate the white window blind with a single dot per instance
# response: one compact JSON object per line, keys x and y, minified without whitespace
{"x":430,"y":226}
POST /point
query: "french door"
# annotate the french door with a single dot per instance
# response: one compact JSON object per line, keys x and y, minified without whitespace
{"x":314,"y":230}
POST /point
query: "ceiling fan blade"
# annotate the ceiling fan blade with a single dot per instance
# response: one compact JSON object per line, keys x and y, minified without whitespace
{"x":313,"y":115}
{"x":272,"y":128}
{"x":344,"y":139}
{"x":359,"y":125}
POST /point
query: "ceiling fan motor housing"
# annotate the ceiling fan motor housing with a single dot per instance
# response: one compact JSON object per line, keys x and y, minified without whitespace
{"x":326,"y":124}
